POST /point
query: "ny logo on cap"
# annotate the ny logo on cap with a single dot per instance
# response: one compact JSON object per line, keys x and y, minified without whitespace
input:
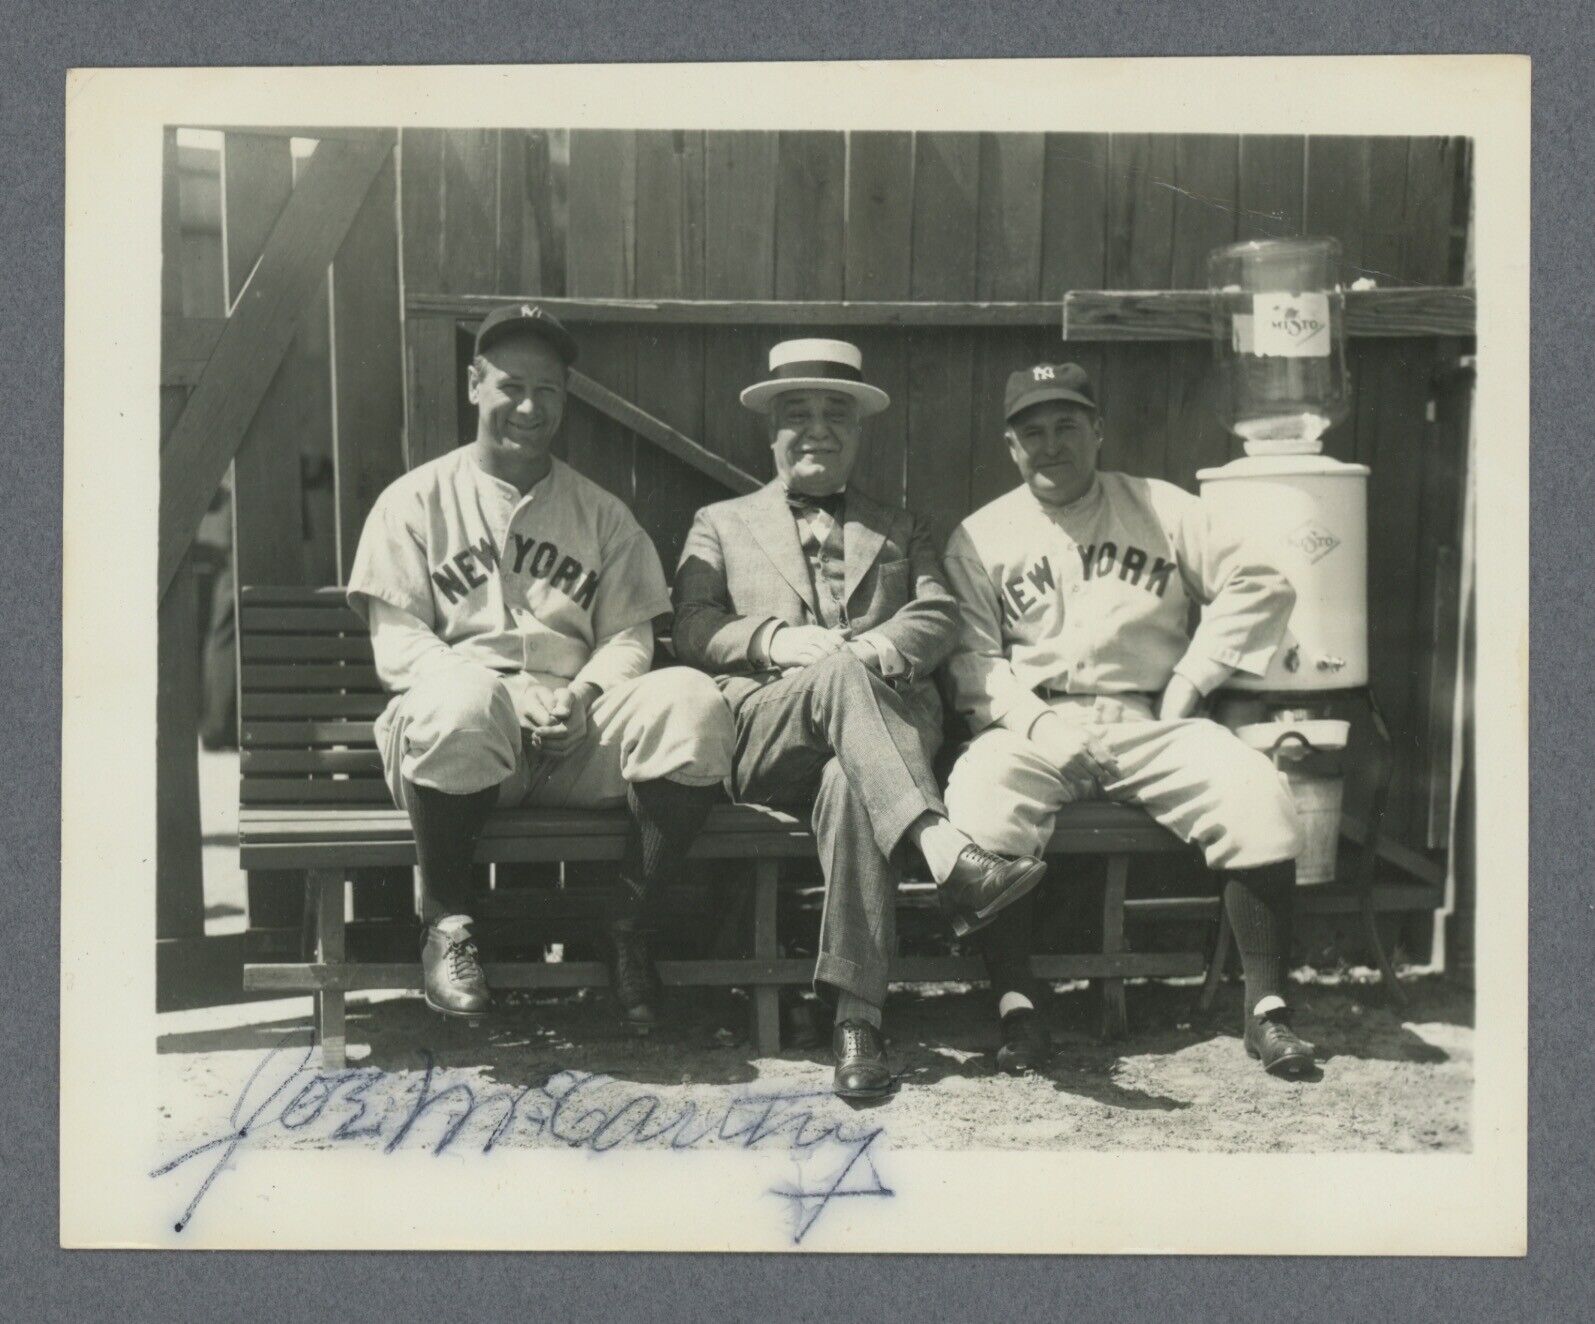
{"x":528,"y":311}
{"x":1043,"y":374}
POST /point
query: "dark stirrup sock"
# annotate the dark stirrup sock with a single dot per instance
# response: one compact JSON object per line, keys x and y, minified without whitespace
{"x":446,"y":831}
{"x":1006,"y":944}
{"x":1261,"y":904}
{"x":666,"y":817}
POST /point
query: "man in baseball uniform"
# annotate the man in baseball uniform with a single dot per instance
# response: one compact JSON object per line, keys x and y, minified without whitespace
{"x":1079,"y":676}
{"x":824,"y":616}
{"x":511,"y":603}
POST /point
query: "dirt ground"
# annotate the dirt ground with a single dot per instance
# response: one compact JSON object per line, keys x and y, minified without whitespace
{"x":1388,"y":1082}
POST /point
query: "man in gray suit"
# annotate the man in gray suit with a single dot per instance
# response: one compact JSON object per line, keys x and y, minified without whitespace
{"x":823,"y":615}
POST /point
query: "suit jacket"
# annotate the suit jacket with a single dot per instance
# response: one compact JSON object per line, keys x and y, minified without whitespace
{"x":742,"y":565}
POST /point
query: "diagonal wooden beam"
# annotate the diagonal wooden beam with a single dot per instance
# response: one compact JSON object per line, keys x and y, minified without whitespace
{"x":189,"y":342}
{"x":186,"y":346}
{"x":293,"y":264}
{"x":661,"y":434}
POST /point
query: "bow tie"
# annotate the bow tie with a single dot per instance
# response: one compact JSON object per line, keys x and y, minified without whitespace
{"x":830,"y":503}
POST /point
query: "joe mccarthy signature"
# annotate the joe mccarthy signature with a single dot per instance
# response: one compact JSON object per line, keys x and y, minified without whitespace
{"x":383,"y":1111}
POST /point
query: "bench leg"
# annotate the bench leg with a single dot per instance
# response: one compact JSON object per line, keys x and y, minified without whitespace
{"x":327,"y":884}
{"x":766,"y":997}
{"x":1364,"y":876}
{"x":1115,"y":1020}
{"x":1218,"y":961}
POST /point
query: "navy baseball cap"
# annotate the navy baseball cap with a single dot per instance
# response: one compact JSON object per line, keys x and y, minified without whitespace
{"x":1047,"y":381}
{"x":528,"y":319}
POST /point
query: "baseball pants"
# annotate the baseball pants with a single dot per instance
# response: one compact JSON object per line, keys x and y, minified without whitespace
{"x":458,"y":731}
{"x":1193,"y":776}
{"x":836,"y":735}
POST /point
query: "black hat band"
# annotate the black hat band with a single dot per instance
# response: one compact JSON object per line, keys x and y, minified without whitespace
{"x":817,"y":368}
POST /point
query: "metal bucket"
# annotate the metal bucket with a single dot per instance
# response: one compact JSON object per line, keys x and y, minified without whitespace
{"x":1316,"y":777}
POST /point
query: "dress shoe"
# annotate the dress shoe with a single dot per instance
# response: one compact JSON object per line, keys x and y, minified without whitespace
{"x":452,"y":978}
{"x":632,"y":977}
{"x":861,"y":1070}
{"x":1026,"y":1043}
{"x":983,"y":883}
{"x":1270,"y":1039}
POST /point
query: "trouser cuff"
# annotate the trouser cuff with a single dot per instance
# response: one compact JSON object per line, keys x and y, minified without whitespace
{"x":860,"y":981}
{"x":891,"y":825}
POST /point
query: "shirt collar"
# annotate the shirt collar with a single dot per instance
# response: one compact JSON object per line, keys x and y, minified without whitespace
{"x":1085,"y":504}
{"x":543,"y":485}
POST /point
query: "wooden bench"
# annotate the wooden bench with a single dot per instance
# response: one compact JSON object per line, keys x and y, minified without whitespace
{"x":312,"y":798}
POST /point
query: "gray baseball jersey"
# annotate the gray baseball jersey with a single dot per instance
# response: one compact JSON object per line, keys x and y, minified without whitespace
{"x":517,"y":582}
{"x":1095,"y":597}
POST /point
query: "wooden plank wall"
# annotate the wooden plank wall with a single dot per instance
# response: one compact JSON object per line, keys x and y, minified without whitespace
{"x":940,"y":216}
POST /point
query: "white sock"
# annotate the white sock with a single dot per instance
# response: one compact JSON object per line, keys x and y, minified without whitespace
{"x":941,"y":844}
{"x":1011,"y":1001}
{"x":850,"y":1007}
{"x":452,"y":926}
{"x":1273,"y":1002}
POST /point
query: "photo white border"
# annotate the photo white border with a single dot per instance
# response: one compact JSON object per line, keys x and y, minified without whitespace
{"x":1472,"y":1203}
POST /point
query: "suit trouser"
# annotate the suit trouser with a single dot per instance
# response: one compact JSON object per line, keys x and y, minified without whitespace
{"x":838,"y":735}
{"x":1193,"y":776}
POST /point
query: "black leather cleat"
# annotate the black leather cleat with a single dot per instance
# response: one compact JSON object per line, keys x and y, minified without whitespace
{"x":861,"y":1069}
{"x":632,"y":978}
{"x":983,"y":883}
{"x":1281,"y":1050}
{"x":452,"y":979}
{"x":1026,"y":1043}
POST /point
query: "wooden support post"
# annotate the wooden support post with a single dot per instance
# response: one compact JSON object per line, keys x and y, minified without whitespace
{"x":1115,"y":1022}
{"x":330,"y":1031}
{"x":1370,"y":851}
{"x":179,"y":882}
{"x":766,"y":997}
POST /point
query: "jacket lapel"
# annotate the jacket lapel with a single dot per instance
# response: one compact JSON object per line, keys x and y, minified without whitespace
{"x":863,"y":535}
{"x":769,"y":520}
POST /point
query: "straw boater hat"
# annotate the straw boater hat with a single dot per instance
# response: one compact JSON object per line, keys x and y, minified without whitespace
{"x":830,"y":365}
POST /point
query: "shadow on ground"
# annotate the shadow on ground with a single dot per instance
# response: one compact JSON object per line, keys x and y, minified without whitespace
{"x":936,"y":1032}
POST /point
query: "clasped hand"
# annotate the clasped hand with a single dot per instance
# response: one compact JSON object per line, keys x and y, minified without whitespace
{"x":557,"y":718}
{"x":795,"y":646}
{"x":1079,"y":756}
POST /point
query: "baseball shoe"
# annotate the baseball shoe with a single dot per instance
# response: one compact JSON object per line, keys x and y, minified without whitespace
{"x":1026,"y":1043}
{"x":452,"y":980}
{"x":861,"y":1069}
{"x":983,"y":883}
{"x":632,"y":977}
{"x":1280,"y":1049}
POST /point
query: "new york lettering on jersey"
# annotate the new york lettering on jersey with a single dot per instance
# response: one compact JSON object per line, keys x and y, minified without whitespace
{"x":1027,"y":589}
{"x":457,"y":575}
{"x":519,"y":581}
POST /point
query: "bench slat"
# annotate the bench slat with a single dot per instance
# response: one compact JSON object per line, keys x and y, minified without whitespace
{"x":306,"y":647}
{"x":303,"y":678}
{"x":337,"y":706}
{"x":293,"y":595}
{"x":333,"y":618}
{"x":1074,"y":821}
{"x":591,"y":974}
{"x":400,"y":852}
{"x":392,"y":823}
{"x":312,"y":790}
{"x":258,"y":762}
{"x":259,"y":735}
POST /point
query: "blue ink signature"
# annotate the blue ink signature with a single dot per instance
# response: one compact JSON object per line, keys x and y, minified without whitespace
{"x":580,"y":1109}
